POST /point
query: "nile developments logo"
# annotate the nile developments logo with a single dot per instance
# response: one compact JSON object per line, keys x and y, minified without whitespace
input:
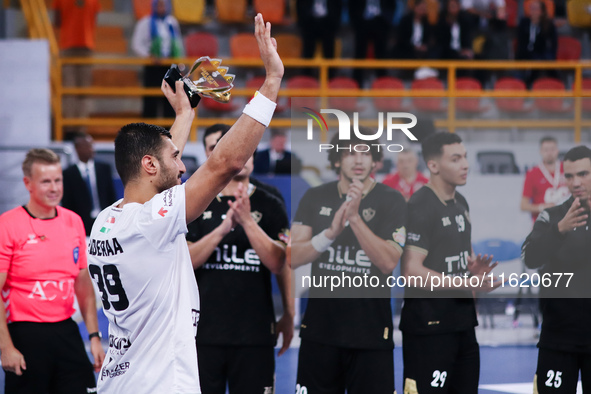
{"x":388,"y":122}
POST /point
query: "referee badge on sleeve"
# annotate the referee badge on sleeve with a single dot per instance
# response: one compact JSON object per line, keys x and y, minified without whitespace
{"x":76,"y":254}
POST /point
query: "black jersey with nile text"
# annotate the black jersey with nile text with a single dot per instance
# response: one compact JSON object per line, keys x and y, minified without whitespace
{"x":348,"y":318}
{"x":565,"y":260}
{"x":442,"y":231}
{"x":234,"y":285}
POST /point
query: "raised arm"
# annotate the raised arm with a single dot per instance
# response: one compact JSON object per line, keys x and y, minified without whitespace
{"x":238,"y":145}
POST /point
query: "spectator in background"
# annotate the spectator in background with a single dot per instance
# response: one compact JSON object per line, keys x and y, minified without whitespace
{"x":495,"y":46}
{"x":483,"y":11}
{"x":277,"y":160}
{"x":88,"y":185}
{"x":544,"y":185}
{"x":407,"y":179}
{"x":454,"y":33}
{"x":371,"y":21}
{"x":414,"y":34}
{"x":157,"y":36}
{"x":76,"y":21}
{"x":536,"y":35}
{"x":42,"y":266}
{"x":319,"y":20}
{"x":536,"y":40}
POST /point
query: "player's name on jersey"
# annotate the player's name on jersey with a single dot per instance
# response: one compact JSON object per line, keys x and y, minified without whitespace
{"x":104,"y":247}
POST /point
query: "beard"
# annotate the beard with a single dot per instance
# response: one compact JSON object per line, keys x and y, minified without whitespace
{"x":168,"y":179}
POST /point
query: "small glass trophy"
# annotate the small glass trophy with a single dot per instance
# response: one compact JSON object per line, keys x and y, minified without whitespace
{"x":205,"y":79}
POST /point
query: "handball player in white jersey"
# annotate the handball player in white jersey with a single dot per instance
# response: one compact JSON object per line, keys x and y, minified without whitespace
{"x":138,"y":257}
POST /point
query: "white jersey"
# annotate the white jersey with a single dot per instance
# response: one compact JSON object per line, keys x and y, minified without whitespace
{"x":140,"y":265}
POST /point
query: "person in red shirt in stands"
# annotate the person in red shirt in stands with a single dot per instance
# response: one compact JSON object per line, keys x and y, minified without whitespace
{"x":544,"y":185}
{"x":407,"y":179}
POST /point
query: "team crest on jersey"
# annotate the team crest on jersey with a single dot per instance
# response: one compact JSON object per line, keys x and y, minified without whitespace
{"x":257,"y":216}
{"x":207,"y":215}
{"x":399,"y":236}
{"x":325,"y":211}
{"x":76,"y":254}
{"x":368,"y":214}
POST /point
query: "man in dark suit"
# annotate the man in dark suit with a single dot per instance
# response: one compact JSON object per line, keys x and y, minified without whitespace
{"x":371,"y":21}
{"x":276,"y":159}
{"x":319,"y":20}
{"x":88,"y":185}
{"x":414,"y":34}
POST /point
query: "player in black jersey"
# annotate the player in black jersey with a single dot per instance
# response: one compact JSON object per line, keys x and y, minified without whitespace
{"x":352,"y":227}
{"x":439,"y":344}
{"x":560,"y":243}
{"x":238,"y":242}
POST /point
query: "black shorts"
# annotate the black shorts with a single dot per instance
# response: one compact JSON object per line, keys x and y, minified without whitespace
{"x":325,"y":369}
{"x":441,"y":363}
{"x":558,"y":372}
{"x":245,"y":369}
{"x":56,"y":359}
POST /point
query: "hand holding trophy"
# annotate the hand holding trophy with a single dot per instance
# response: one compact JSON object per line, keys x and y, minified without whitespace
{"x":205,"y":79}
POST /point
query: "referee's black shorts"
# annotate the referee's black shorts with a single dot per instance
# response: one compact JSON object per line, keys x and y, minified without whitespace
{"x":326,"y":369}
{"x":558,"y":372}
{"x":245,"y":369}
{"x":441,"y":363}
{"x":57,"y":362}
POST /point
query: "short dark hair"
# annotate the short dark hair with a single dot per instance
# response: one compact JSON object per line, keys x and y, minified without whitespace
{"x":432,"y":146}
{"x":44,"y":156}
{"x":548,"y":139}
{"x":134,"y":141}
{"x":278,"y":133}
{"x":334,"y":155}
{"x":224,"y":128}
{"x":578,"y":153}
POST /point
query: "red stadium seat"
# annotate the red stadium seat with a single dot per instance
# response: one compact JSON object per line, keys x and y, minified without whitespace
{"x":343,"y":103}
{"x":142,"y":8}
{"x":469,"y":104}
{"x":244,"y":45}
{"x":569,"y":48}
{"x":231,"y":11}
{"x":513,"y":105}
{"x":550,"y":104}
{"x":387,"y":103}
{"x":303,"y":82}
{"x":289,"y":45}
{"x":428,"y":104}
{"x":201,"y":44}
{"x":272,"y":10}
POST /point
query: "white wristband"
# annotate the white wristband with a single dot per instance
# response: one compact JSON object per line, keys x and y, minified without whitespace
{"x":260,"y":109}
{"x":321,"y":242}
